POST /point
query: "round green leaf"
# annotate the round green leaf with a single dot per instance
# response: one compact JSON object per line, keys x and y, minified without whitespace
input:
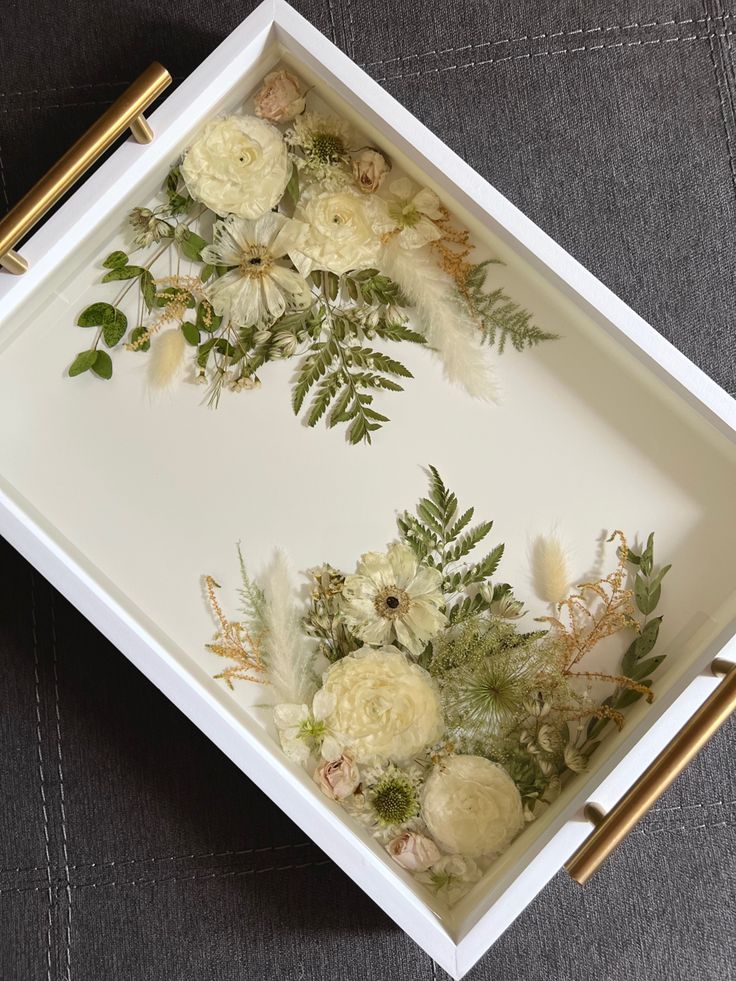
{"x":94,"y":316}
{"x":191,"y":333}
{"x":83,"y":362}
{"x":115,"y":259}
{"x":102,"y":365}
{"x":114,"y":327}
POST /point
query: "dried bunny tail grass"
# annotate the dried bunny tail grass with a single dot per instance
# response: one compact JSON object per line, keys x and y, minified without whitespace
{"x":166,"y":358}
{"x":550,"y":573}
{"x":287,"y":652}
{"x":451,"y":333}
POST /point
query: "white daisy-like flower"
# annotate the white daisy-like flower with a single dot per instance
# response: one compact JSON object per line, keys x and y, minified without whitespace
{"x":258,"y":289}
{"x":393,"y":596}
{"x":302,"y":730}
{"x":409,"y":214}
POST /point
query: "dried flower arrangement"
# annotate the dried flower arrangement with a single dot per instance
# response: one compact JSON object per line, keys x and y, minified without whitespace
{"x":281,"y":235}
{"x":410,"y":692}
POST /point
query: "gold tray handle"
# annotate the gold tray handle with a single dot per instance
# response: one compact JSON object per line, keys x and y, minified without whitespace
{"x":126,"y":112}
{"x":610,"y":829}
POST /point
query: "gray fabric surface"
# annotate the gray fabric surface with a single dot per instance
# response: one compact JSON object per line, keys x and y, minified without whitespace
{"x":129,"y":847}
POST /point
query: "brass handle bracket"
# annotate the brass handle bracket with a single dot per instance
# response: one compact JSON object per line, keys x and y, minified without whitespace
{"x":125,"y":113}
{"x":610,"y":829}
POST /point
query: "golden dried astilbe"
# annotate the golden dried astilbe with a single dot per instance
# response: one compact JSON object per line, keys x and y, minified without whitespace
{"x":589,"y":622}
{"x":235,"y":642}
{"x":174,"y":311}
{"x":452,"y":249}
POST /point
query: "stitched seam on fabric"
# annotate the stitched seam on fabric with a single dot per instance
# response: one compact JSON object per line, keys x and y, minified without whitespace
{"x":333,"y":27}
{"x":351,"y":24}
{"x":219,"y":874}
{"x":41,"y":772}
{"x":62,"y":800}
{"x":690,"y":807}
{"x":170,"y":858}
{"x":729,"y":71}
{"x":530,"y":55}
{"x":727,"y":132}
{"x":548,"y":36}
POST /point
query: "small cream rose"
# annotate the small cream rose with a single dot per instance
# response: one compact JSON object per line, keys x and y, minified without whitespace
{"x":370,"y":169}
{"x":472,"y":807}
{"x":280,"y":98}
{"x":413,"y":852}
{"x":337,"y":779}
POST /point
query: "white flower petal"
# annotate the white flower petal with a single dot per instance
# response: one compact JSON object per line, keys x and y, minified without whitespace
{"x":287,"y":715}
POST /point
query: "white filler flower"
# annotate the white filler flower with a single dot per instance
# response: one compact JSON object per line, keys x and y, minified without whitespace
{"x":383,"y":705}
{"x":258,"y":290}
{"x":238,"y":165}
{"x":391,"y":595}
{"x":472,"y":806}
{"x":410,"y":214}
{"x":341,"y":235}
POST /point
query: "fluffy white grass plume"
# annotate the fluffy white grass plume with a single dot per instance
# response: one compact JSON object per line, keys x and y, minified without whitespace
{"x":451,"y":333}
{"x":166,"y":359}
{"x":550,"y":573}
{"x":287,"y":652}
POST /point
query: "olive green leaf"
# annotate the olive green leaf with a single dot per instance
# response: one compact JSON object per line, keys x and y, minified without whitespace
{"x":83,"y":362}
{"x":102,"y":365}
{"x":115,"y":259}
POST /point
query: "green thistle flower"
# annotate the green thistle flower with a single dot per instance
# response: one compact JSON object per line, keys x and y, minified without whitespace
{"x":394,"y":798}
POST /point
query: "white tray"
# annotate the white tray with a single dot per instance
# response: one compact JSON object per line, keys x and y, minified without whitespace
{"x":109,"y":493}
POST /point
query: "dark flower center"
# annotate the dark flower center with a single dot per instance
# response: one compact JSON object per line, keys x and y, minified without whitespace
{"x":392,"y":601}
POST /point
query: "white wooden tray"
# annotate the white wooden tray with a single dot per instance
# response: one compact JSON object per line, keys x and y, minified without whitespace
{"x":123,"y":501}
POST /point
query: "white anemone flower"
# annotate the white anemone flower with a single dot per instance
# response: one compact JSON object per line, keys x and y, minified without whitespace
{"x":410,"y":214}
{"x":303,"y":731}
{"x":393,"y":596}
{"x":258,"y":289}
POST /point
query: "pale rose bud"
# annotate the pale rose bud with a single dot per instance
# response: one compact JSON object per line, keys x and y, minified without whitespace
{"x":337,"y":779}
{"x":369,"y":169}
{"x":413,"y":851}
{"x":280,"y":98}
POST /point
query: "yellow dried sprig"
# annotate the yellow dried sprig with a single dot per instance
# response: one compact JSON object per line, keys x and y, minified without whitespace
{"x":235,"y":642}
{"x":175,"y":311}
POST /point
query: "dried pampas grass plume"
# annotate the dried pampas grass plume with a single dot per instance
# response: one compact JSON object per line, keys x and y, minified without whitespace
{"x":166,"y":359}
{"x":550,"y":573}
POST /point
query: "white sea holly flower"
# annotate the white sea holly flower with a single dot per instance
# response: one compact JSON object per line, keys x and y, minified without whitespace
{"x":471,"y":806}
{"x":451,"y":877}
{"x":340,"y":235}
{"x":393,"y":596}
{"x":237,"y":165}
{"x":303,"y":730}
{"x":258,"y":288}
{"x":324,"y":142}
{"x":383,"y":706}
{"x":408,"y":214}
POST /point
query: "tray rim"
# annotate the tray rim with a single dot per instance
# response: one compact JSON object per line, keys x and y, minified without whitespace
{"x":276,"y":21}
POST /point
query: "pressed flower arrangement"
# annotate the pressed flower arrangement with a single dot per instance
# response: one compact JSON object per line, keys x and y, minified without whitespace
{"x":417,"y":698}
{"x":282,"y":235}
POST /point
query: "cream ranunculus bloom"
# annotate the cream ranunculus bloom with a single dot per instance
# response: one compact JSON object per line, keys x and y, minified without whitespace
{"x":472,"y":806}
{"x":383,"y":706}
{"x":238,"y":165}
{"x":341,"y":235}
{"x":393,"y":596}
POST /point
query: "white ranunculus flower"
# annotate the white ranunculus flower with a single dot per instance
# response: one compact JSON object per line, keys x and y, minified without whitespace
{"x":258,"y":288}
{"x":341,"y":235}
{"x":238,"y":165}
{"x":472,"y":806}
{"x":393,"y":596}
{"x":383,"y":706}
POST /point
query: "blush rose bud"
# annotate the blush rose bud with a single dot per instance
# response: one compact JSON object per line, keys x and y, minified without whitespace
{"x":280,"y":98}
{"x":337,"y":779}
{"x":413,"y":851}
{"x":369,"y":169}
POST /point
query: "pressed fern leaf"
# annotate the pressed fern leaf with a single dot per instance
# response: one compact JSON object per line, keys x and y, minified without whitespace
{"x":500,"y":319}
